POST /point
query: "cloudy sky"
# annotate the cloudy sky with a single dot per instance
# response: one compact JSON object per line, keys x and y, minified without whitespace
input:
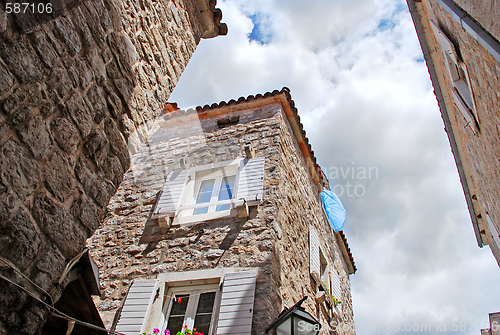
{"x":357,"y":76}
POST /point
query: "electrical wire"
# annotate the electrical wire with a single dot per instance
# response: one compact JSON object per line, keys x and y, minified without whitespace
{"x":57,"y":313}
{"x":13,"y":267}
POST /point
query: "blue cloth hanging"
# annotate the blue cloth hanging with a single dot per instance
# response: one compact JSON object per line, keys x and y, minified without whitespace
{"x":334,"y":209}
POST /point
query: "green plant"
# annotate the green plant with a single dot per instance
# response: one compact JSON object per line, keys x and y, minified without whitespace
{"x":187,"y":331}
{"x":335,"y":301}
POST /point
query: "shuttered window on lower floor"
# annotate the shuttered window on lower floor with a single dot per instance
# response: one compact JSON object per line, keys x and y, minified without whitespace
{"x":191,"y":307}
{"x":224,"y":307}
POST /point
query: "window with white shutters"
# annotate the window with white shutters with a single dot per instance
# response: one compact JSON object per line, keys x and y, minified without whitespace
{"x":322,"y":272}
{"x":211,"y":191}
{"x":214,"y":301}
{"x":457,"y":70}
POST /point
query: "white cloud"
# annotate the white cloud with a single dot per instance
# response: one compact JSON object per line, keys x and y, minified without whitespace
{"x":366,"y":101}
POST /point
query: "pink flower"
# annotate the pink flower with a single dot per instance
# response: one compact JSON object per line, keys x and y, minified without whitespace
{"x":167,"y":332}
{"x":156,"y":331}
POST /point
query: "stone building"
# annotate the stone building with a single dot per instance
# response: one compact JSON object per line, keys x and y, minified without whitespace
{"x":460,"y":42}
{"x":494,"y":325}
{"x":221,"y":210}
{"x":81,"y":83}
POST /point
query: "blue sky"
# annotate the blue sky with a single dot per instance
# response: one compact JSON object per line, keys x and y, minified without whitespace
{"x":357,"y":76}
{"x":260,"y":31}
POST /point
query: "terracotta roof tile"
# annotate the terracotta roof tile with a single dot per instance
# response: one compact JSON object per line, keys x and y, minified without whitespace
{"x":218,"y":17}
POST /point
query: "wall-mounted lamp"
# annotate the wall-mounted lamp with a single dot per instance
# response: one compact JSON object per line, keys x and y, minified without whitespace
{"x":295,"y":321}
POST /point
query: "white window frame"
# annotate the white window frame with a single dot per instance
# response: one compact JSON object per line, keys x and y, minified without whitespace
{"x":324,"y":266}
{"x":217,"y":176}
{"x":194,"y":292}
{"x":183,"y":282}
{"x":184,"y":203}
{"x":196,"y":175}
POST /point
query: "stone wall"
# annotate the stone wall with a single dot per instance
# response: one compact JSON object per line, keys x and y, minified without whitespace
{"x":78,"y":89}
{"x":482,"y":150}
{"x":274,"y":239}
{"x":485,"y":12}
{"x":298,"y":205}
{"x":117,"y":247}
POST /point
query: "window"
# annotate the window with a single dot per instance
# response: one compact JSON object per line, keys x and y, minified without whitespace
{"x":215,"y":301}
{"x":193,"y":307}
{"x":319,"y":268}
{"x":210,"y":191}
{"x":324,"y":274}
{"x":214,"y":190}
{"x":462,"y":93}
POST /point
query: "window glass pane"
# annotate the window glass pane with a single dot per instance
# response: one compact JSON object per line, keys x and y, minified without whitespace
{"x":204,"y":195}
{"x":205,"y":191}
{"x":226,"y":192}
{"x":204,"y":312}
{"x":177,"y":314}
{"x":175,"y":324}
{"x":206,"y":303}
{"x":202,"y":210}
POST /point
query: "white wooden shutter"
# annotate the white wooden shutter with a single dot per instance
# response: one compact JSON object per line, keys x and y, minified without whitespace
{"x":336,"y":288}
{"x":236,"y":306}
{"x":171,"y":193}
{"x":251,"y":179}
{"x":136,"y":306}
{"x":444,"y":42}
{"x":314,"y":260}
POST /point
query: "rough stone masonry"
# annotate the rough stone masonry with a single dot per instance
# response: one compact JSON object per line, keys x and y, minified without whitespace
{"x":79,"y":88}
{"x":129,"y":245}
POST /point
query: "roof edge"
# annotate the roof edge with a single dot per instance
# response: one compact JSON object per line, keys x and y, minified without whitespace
{"x":283,"y":97}
{"x":346,"y":252}
{"x":253,"y":101}
{"x":211,"y":17}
